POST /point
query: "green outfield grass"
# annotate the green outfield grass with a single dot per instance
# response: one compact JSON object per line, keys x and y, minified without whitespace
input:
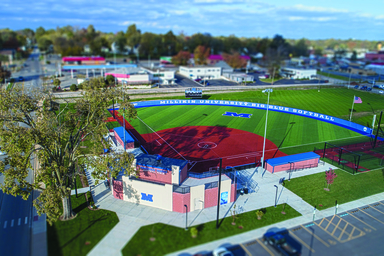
{"x":294,"y":133}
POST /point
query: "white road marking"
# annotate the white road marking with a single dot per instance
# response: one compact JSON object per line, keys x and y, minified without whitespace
{"x":26,"y":220}
{"x":12,"y":221}
{"x":18,"y":223}
{"x":5,"y":224}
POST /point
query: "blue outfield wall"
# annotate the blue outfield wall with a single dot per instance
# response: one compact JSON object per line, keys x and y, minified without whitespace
{"x":294,"y":111}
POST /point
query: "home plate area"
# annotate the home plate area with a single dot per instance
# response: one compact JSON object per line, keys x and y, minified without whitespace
{"x":203,"y":146}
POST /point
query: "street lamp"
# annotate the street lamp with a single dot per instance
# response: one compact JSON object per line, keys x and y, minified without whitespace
{"x":186,"y":217}
{"x":276,"y":195}
{"x":266,"y":121}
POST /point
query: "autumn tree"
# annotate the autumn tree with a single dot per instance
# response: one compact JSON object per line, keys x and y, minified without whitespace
{"x":235,"y":60}
{"x":181,"y":58}
{"x":201,"y":54}
{"x":31,"y":126}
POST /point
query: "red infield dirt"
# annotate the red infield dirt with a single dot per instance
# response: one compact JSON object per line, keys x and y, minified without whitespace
{"x":205,"y":145}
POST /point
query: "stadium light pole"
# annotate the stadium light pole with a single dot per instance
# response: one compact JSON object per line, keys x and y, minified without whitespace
{"x":266,"y":123}
{"x":218,"y":195}
{"x":123,"y":82}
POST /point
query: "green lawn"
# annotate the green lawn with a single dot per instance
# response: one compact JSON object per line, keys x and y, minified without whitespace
{"x":269,"y":80}
{"x":170,"y":239}
{"x":72,"y":237}
{"x":346,"y":187}
{"x":336,"y":76}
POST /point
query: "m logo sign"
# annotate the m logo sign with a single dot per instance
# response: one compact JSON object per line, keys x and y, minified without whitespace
{"x":237,"y":115}
{"x":146,"y":197}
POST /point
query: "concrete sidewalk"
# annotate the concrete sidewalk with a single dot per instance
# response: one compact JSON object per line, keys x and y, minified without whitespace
{"x":133,"y":216}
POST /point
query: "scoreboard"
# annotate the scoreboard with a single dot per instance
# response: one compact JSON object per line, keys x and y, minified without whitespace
{"x":193,"y":93}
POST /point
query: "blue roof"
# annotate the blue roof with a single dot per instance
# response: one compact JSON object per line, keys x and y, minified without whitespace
{"x":292,"y":158}
{"x":120,"y":132}
{"x":164,"y":162}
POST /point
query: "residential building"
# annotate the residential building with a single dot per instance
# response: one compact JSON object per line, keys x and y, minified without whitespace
{"x":201,"y":71}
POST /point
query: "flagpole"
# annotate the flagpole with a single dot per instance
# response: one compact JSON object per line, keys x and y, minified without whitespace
{"x":353,"y":103}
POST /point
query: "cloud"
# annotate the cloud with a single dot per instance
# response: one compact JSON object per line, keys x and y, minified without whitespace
{"x":249,"y":18}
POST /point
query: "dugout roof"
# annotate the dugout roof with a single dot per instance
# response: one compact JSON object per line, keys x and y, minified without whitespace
{"x":120,"y":133}
{"x":292,"y":158}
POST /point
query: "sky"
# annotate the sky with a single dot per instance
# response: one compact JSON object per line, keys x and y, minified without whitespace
{"x":293,"y":19}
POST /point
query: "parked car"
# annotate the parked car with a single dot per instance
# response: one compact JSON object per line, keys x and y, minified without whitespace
{"x":363,"y":88}
{"x":282,"y":243}
{"x":222,"y":251}
{"x":381,"y":92}
{"x":198,"y":79}
{"x":356,"y":87}
{"x":369,"y":89}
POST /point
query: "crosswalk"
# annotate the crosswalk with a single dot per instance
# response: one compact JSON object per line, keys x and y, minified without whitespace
{"x":15,"y":222}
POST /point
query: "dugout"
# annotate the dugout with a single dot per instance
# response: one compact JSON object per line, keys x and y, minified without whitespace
{"x":119,"y":135}
{"x":292,"y":162}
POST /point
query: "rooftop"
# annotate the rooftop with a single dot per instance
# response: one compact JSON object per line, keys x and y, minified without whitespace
{"x":160,"y":162}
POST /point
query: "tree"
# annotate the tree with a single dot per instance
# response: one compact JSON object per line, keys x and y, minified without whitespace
{"x":133,"y":36}
{"x":43,"y":43}
{"x":120,"y":41}
{"x":234,"y":60}
{"x":318,"y":51}
{"x":330,"y":175}
{"x":354,"y":56}
{"x":181,"y":58}
{"x":56,"y":82}
{"x":53,"y":135}
{"x":300,"y":48}
{"x":201,"y":54}
{"x":3,"y":72}
{"x":40,"y":31}
{"x":110,"y":80}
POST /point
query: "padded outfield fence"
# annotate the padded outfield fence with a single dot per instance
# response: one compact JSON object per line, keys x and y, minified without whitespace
{"x":354,"y":158}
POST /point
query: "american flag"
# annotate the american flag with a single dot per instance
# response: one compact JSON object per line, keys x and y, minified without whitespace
{"x":357,"y":100}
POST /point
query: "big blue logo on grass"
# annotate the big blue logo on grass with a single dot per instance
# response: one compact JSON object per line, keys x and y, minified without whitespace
{"x":146,"y":197}
{"x":237,"y":115}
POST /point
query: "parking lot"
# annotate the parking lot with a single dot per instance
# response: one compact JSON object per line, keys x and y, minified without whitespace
{"x":356,"y":232}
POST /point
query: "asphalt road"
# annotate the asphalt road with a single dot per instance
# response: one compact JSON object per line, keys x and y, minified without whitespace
{"x":31,"y":72}
{"x":16,"y":213}
{"x":359,"y":231}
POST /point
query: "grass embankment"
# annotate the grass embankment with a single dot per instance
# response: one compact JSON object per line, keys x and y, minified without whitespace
{"x":269,"y":80}
{"x":80,"y":235}
{"x":344,"y":78}
{"x":346,"y":187}
{"x":170,"y":239}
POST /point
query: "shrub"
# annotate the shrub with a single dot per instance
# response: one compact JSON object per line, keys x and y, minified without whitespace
{"x":56,"y":82}
{"x":48,"y":62}
{"x":80,"y":87}
{"x":259,"y":214}
{"x":73,"y":87}
{"x":194,"y":232}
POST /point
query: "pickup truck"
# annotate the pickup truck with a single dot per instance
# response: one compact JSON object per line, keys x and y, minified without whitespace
{"x":282,"y":242}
